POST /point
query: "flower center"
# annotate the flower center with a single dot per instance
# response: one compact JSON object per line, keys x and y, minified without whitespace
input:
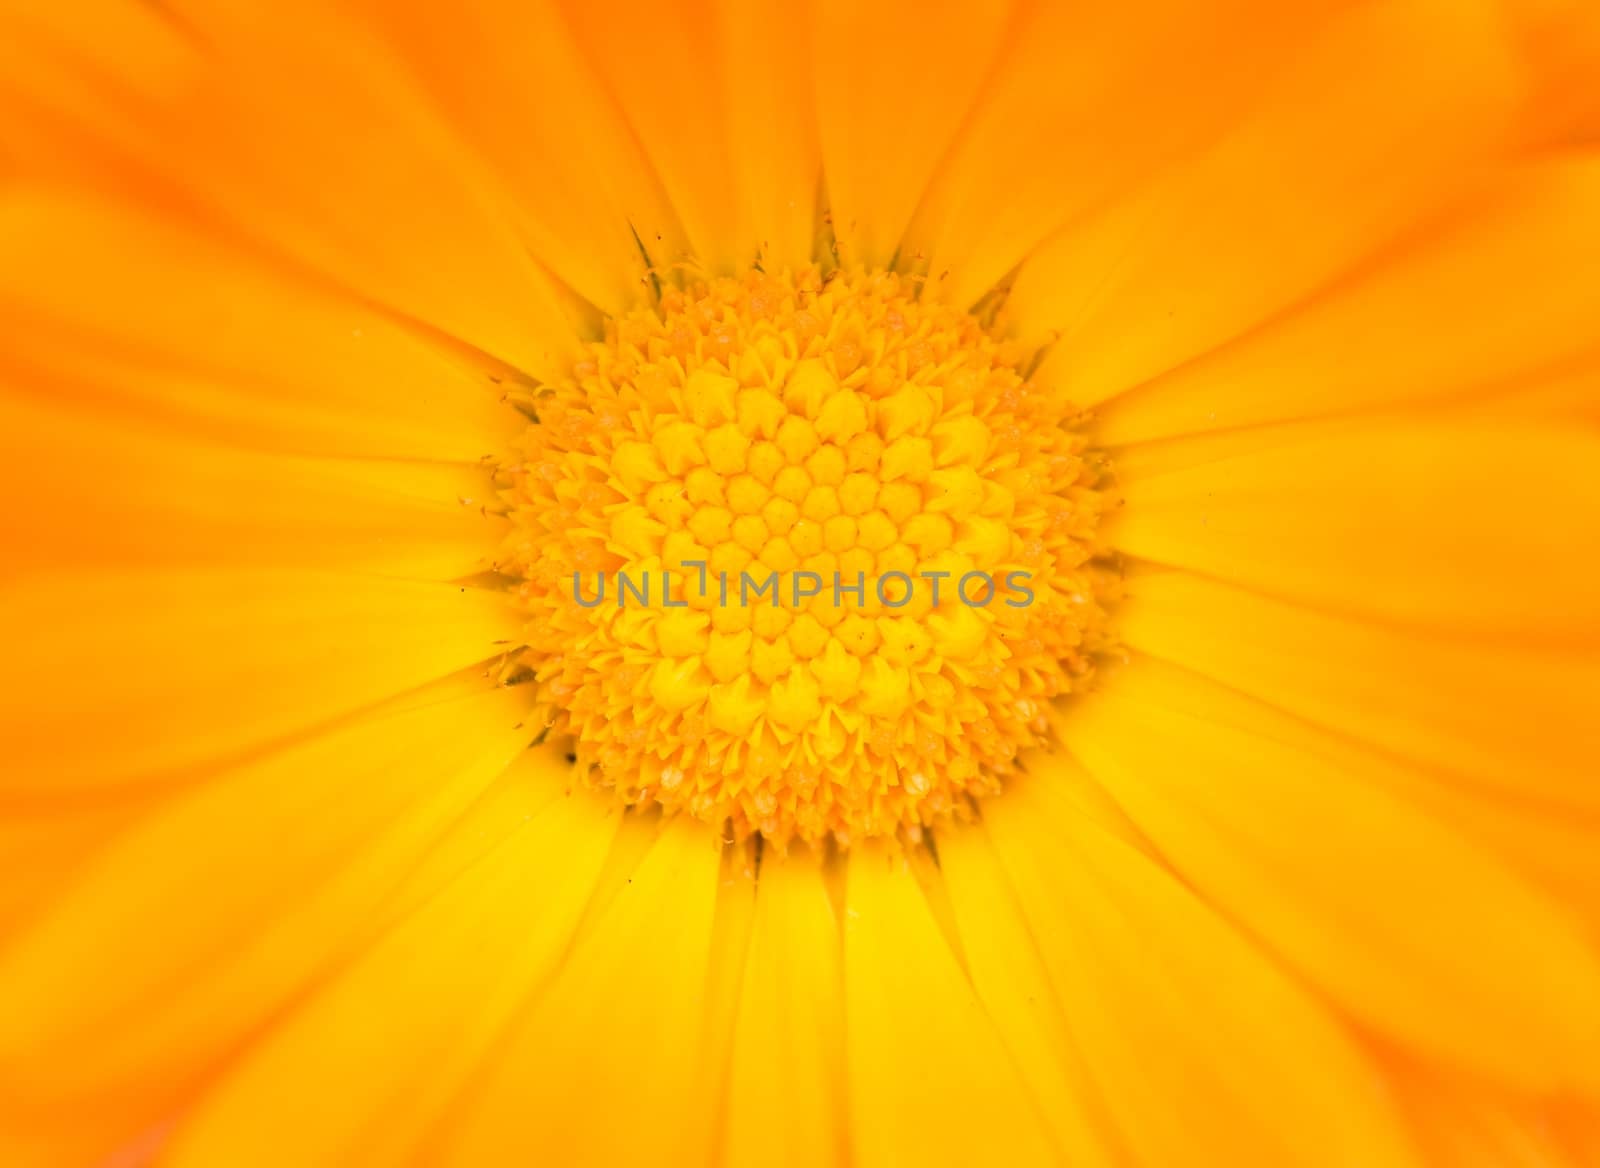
{"x":807,"y":556}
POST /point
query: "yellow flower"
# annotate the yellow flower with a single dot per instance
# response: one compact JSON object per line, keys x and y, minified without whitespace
{"x":1235,"y":367}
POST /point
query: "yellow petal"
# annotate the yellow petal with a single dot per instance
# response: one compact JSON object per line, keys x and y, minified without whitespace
{"x":608,"y":1063}
{"x":785,"y":1084}
{"x":1011,"y":982}
{"x":403,"y":1030}
{"x":930,"y":1081}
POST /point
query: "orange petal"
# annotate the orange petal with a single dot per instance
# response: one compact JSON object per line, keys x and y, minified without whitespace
{"x":222,"y":902}
{"x":347,"y":173}
{"x":1503,"y":288}
{"x":582,"y":192}
{"x":1087,"y":103}
{"x":1559,"y":41}
{"x":118,"y":677}
{"x":1488,"y":529}
{"x":1398,"y":918}
{"x":104,"y":490}
{"x":1513,"y":720}
{"x":894,"y":82}
{"x":1202,"y":1048}
{"x":726,"y":121}
{"x":107,"y":303}
{"x":1334,"y":160}
{"x":1462,"y":1125}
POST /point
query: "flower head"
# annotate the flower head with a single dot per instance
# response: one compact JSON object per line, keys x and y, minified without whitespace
{"x":843,"y":498}
{"x":847,"y":583}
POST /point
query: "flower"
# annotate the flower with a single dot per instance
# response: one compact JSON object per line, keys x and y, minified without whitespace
{"x":1247,"y":352}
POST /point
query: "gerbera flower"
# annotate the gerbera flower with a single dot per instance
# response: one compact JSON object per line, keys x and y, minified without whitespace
{"x":1235,"y":368}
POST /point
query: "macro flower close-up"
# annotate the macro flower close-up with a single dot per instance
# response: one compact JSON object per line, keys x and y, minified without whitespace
{"x":854,"y":583}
